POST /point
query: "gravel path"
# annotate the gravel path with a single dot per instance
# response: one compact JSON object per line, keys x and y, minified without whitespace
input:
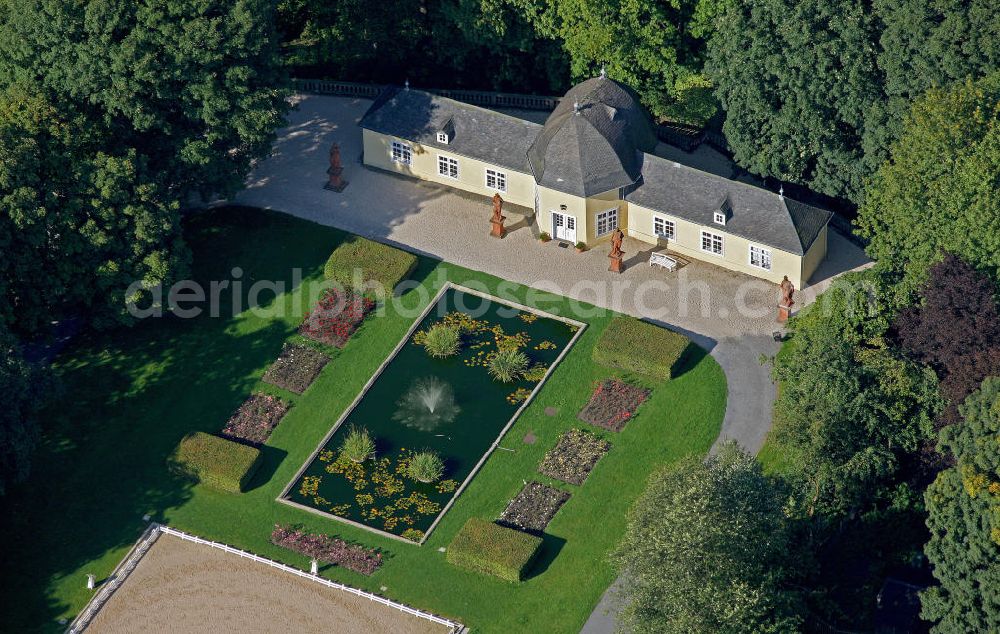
{"x":729,"y":314}
{"x":180,"y":586}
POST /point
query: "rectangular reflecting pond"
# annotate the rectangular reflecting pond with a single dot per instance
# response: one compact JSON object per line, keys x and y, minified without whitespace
{"x":449,"y":406}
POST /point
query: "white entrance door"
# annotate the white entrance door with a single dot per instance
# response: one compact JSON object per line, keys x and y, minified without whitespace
{"x":563,"y":227}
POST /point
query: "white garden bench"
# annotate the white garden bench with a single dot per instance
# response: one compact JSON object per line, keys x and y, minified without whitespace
{"x":664,"y":260}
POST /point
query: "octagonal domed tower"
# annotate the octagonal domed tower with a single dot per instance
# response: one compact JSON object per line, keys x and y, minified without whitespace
{"x":593,"y":141}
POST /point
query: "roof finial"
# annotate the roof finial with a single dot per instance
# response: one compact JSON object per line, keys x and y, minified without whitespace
{"x":576,"y":107}
{"x":603,"y":72}
{"x":406,"y":84}
{"x":781,"y":191}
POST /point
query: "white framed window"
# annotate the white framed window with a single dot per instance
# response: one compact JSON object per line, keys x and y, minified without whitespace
{"x":401,"y":153}
{"x":720,"y":218}
{"x":712,"y":243}
{"x":443,"y":137}
{"x":447,"y":166}
{"x":663,"y":228}
{"x":607,"y":221}
{"x":496,"y":180}
{"x":760,"y":257}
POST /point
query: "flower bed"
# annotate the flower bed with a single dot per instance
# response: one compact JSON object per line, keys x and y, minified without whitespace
{"x":574,"y":456}
{"x":296,"y":368}
{"x":335,"y":317}
{"x":612,"y":404}
{"x":327,"y":549}
{"x":533,"y":508}
{"x":256,"y":418}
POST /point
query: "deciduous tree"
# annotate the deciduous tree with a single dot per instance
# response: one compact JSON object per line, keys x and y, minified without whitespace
{"x":955,"y":328}
{"x":849,"y":405}
{"x":963,"y":507}
{"x":708,"y":549}
{"x":815,"y":91}
{"x":113,"y":115}
{"x":654,"y":47}
{"x":937,"y":192}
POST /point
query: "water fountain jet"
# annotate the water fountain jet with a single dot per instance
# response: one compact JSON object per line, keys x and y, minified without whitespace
{"x":428,"y":404}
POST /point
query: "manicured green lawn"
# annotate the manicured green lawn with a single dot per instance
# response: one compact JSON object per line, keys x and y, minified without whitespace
{"x":777,"y":459}
{"x":131,"y":395}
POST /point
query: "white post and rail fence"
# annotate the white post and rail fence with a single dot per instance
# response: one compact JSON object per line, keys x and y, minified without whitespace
{"x":149,"y":537}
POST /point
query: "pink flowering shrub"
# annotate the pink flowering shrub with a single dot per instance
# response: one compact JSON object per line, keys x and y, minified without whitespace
{"x":336,"y":316}
{"x":612,"y":404}
{"x":327,"y":549}
{"x":256,"y":418}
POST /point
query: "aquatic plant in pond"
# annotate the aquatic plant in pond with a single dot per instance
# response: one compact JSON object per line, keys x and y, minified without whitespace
{"x":425,"y":466}
{"x":507,"y":364}
{"x":442,"y":341}
{"x":448,"y":406}
{"x":358,"y":446}
{"x":427,"y":405}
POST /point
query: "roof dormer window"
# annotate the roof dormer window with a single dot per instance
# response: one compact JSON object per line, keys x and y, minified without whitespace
{"x":443,"y":137}
{"x":720,"y":218}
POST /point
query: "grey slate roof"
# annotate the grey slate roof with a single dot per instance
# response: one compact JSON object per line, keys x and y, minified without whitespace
{"x":756,"y":214}
{"x":478,"y":133}
{"x":593,"y":141}
{"x":602,"y":148}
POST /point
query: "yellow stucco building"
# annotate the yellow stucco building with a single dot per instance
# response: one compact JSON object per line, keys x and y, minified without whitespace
{"x":590,"y":169}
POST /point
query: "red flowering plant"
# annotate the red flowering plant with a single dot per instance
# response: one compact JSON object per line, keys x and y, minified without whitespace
{"x":336,"y":316}
{"x":612,"y":404}
{"x":327,"y":549}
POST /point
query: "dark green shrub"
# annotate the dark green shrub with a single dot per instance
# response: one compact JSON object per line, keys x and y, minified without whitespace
{"x":494,"y":550}
{"x":220,"y":463}
{"x":636,"y":346}
{"x":377,"y":263}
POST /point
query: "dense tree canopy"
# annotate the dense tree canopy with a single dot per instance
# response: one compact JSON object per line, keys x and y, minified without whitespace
{"x":78,"y":224}
{"x":815,"y":91}
{"x":483,"y":44}
{"x":938,"y":190}
{"x":964,"y":518}
{"x":112,"y":115}
{"x":195,"y":86}
{"x":661,"y":56}
{"x":849,"y":404}
{"x":708,"y":549}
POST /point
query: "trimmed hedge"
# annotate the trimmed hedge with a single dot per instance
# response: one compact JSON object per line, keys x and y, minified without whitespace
{"x":494,"y":550}
{"x":636,"y":346}
{"x":379,"y":263}
{"x":218,"y":462}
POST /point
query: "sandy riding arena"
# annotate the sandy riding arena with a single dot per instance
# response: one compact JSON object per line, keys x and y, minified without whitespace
{"x":180,"y":586}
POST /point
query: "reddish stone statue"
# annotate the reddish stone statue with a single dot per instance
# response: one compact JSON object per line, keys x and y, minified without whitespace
{"x":498,"y":218}
{"x":616,"y":251}
{"x":785,"y":307}
{"x":336,"y":183}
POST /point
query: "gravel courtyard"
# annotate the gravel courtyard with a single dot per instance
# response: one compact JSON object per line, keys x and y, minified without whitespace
{"x":180,"y":586}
